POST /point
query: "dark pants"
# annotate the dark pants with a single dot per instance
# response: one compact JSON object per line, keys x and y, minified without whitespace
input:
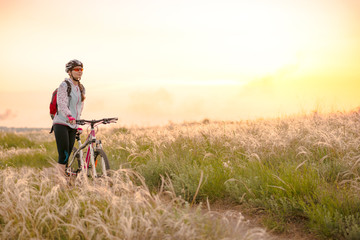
{"x":65,"y":139}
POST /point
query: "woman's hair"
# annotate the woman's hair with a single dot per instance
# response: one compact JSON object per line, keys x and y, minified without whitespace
{"x":82,"y":90}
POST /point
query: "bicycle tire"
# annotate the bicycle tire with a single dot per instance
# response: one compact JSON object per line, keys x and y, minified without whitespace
{"x":75,"y":165}
{"x":100,"y":160}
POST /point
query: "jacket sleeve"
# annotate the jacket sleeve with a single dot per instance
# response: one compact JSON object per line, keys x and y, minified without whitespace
{"x":63,"y":99}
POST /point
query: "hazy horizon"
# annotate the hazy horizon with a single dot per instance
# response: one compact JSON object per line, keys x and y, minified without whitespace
{"x":152,"y":62}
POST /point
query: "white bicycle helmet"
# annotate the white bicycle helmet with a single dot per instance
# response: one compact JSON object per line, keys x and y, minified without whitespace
{"x":71,"y":64}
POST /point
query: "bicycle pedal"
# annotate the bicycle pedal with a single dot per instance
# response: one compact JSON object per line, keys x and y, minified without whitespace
{"x":69,"y":174}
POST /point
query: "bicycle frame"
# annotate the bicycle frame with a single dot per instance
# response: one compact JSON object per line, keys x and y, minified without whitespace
{"x":92,"y":144}
{"x":90,"y":141}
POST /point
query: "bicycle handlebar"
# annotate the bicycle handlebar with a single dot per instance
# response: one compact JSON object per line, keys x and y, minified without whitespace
{"x":93,"y":122}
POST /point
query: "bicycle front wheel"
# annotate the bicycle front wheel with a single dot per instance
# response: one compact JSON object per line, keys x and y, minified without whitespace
{"x":102,"y":165}
{"x":73,"y":166}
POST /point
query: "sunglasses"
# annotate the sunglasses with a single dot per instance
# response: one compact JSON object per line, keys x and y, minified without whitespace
{"x":78,"y":69}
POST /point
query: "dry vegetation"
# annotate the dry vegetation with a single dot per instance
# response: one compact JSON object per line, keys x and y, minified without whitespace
{"x":293,"y":170}
{"x":40,"y":204}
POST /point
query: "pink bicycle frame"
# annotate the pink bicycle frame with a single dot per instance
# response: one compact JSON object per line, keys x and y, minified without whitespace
{"x":90,"y":152}
{"x":91,"y":138}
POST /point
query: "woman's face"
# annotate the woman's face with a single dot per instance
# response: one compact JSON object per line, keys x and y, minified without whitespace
{"x":77,"y":72}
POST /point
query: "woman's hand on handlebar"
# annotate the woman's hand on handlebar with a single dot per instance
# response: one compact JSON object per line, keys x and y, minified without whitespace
{"x":71,"y":119}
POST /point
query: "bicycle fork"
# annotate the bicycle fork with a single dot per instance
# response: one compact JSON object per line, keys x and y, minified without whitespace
{"x":103,"y":166}
{"x":92,"y":160}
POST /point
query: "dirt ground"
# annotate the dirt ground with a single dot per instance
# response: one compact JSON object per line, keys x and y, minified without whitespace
{"x":294,"y":231}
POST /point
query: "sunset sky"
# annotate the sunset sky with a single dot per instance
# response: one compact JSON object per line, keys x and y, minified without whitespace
{"x":148,"y":62}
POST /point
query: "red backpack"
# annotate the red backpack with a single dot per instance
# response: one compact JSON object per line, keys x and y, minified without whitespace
{"x":53,"y":103}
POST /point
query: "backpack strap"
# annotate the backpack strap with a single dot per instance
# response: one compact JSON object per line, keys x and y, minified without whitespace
{"x":68,"y":88}
{"x":52,"y":129}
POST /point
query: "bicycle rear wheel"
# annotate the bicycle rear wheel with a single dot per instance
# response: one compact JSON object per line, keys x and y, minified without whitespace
{"x":102,"y":165}
{"x":74,"y":166}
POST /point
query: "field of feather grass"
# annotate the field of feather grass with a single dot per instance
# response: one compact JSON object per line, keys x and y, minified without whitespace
{"x":302,"y":170}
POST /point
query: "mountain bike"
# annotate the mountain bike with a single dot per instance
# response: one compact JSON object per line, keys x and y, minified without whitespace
{"x":96,"y":163}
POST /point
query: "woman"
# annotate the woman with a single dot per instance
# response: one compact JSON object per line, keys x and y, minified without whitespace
{"x":70,"y":103}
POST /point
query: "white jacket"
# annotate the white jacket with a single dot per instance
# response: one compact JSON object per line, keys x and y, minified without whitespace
{"x":72,"y":105}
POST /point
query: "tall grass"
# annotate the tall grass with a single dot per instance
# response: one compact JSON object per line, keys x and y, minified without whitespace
{"x":12,"y":140}
{"x":33,"y":149}
{"x":296,"y":169}
{"x":301,"y":169}
{"x":39,"y":204}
